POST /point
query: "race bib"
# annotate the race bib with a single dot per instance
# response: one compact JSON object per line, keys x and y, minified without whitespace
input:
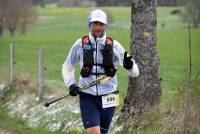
{"x":110,"y":100}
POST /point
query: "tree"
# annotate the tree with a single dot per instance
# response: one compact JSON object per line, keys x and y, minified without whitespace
{"x":27,"y":16}
{"x":192,"y":14}
{"x":73,"y":3}
{"x":1,"y":24}
{"x":145,"y":91}
{"x":14,"y":13}
{"x":3,"y":5}
{"x":11,"y":16}
{"x":39,"y":2}
{"x":113,"y":2}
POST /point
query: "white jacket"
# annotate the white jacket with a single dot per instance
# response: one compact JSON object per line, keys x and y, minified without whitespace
{"x":76,"y":54}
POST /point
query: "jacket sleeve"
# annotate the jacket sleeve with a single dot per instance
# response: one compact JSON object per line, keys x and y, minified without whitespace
{"x":68,"y":66}
{"x":119,"y":52}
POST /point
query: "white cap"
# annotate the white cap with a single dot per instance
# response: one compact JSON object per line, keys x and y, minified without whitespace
{"x":98,"y":15}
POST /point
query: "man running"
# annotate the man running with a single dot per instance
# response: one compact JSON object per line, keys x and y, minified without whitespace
{"x":98,"y":56}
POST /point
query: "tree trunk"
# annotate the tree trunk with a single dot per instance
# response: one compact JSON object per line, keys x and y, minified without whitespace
{"x":1,"y":31}
{"x":1,"y":26}
{"x":12,"y":31}
{"x":42,"y":3}
{"x":196,"y":21}
{"x":144,"y":92}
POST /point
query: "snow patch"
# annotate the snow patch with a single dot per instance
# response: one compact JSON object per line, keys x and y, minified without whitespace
{"x":63,"y":115}
{"x":2,"y":86}
{"x":54,"y":117}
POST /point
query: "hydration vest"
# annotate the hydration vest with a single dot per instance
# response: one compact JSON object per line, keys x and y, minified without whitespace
{"x":88,"y":59}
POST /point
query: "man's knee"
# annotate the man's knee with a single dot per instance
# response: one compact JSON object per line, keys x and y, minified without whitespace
{"x":93,"y":130}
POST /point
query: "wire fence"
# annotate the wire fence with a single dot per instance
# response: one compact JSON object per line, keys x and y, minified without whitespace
{"x":8,"y":74}
{"x":4,"y":69}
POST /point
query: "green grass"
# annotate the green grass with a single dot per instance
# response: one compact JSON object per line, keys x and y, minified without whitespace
{"x":57,"y":29}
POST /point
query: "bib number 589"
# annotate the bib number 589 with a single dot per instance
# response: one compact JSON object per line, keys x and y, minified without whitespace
{"x":110,"y":100}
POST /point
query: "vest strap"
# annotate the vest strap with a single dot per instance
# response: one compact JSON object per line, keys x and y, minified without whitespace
{"x":88,"y":59}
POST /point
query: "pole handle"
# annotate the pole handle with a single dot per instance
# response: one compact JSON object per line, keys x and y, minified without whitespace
{"x":97,"y":81}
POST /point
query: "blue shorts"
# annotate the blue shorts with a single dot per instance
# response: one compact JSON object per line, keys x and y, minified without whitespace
{"x":93,"y":114}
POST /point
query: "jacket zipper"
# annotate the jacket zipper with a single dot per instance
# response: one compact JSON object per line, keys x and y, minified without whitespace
{"x":96,"y":68}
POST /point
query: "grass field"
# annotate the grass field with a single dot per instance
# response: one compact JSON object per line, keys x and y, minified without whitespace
{"x":57,"y":28}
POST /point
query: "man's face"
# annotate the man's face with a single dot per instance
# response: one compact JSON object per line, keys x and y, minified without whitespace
{"x":98,"y":28}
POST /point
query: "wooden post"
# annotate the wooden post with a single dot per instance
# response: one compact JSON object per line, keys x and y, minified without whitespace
{"x":11,"y":63}
{"x":187,"y":102}
{"x":190,"y":52}
{"x":41,"y":74}
{"x":3,"y":78}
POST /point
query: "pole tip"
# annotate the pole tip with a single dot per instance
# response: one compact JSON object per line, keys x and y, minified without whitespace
{"x":46,"y":104}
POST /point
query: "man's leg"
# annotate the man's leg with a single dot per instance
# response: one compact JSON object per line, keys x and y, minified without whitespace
{"x":93,"y":130}
{"x":106,"y":119}
{"x":90,"y":113}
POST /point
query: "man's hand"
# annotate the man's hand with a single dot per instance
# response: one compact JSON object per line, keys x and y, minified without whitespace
{"x":74,"y":90}
{"x":127,"y":63}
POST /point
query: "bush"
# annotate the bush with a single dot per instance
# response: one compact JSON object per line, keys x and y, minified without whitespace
{"x":192,"y":13}
{"x":176,"y":11}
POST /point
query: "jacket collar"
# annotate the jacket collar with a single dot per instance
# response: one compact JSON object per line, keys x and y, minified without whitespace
{"x":98,"y":40}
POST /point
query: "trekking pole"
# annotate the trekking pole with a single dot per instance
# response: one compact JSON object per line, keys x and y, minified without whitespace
{"x":93,"y":83}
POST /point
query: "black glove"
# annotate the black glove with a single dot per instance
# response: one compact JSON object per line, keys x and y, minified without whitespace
{"x":74,"y":90}
{"x":110,"y":70}
{"x":127,"y":63}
